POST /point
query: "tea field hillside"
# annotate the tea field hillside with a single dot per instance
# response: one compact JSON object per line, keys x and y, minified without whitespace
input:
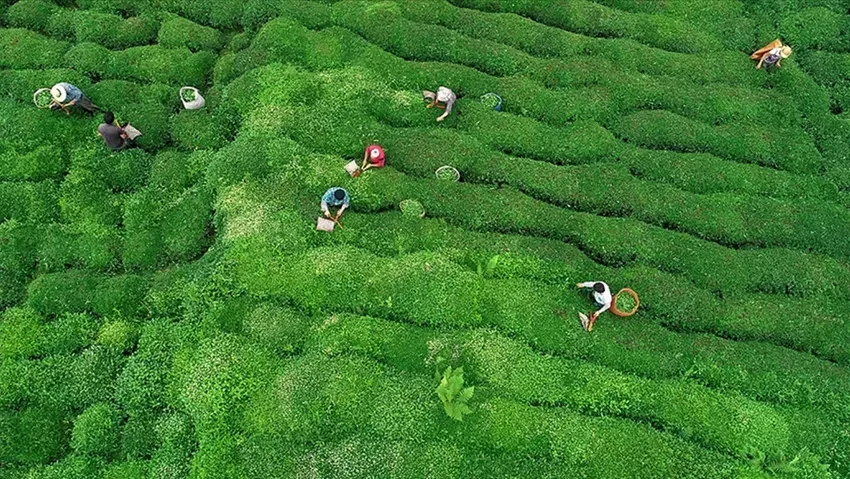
{"x":170,"y":311}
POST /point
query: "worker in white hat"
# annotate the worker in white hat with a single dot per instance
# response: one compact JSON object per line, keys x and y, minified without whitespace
{"x":66,"y":95}
{"x":444,"y":98}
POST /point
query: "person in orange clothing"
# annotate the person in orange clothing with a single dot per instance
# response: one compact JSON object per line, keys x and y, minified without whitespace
{"x":771,"y":54}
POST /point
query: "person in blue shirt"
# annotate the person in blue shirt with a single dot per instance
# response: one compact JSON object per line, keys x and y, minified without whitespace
{"x":66,"y":95}
{"x":335,"y":197}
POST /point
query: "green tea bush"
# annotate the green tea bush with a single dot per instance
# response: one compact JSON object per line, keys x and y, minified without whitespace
{"x":36,"y":202}
{"x":68,"y":334}
{"x":815,"y":28}
{"x":32,"y":436}
{"x":220,"y":14}
{"x":21,"y":330}
{"x":87,"y":201}
{"x":71,"y":467}
{"x":281,"y":329}
{"x":18,"y":248}
{"x":151,"y":63}
{"x":89,"y":59}
{"x":120,"y":295}
{"x":116,"y":94}
{"x":30,"y":14}
{"x":43,"y":163}
{"x":175,"y":436}
{"x":173,"y":170}
{"x":112,"y":31}
{"x":520,"y":373}
{"x":545,"y":41}
{"x":57,"y":293}
{"x":178,"y":32}
{"x":158,"y":64}
{"x":22,"y":49}
{"x":120,"y":172}
{"x":198,"y":129}
{"x":82,"y":245}
{"x":596,"y":20}
{"x":788,"y":150}
{"x":126,"y":470}
{"x":118,"y":335}
{"x":166,"y":227}
{"x":96,"y":430}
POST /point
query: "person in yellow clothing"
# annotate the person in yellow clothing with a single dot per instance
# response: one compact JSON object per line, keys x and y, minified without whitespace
{"x":771,"y":54}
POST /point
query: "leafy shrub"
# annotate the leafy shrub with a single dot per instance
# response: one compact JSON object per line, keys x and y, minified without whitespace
{"x":30,"y":14}
{"x":68,"y":334}
{"x":21,"y":332}
{"x":36,"y":202}
{"x":120,"y":295}
{"x":281,"y":329}
{"x":453,"y":395}
{"x":111,"y":31}
{"x":71,"y":467}
{"x":90,"y":59}
{"x":57,"y":293}
{"x":96,"y":430}
{"x":82,"y":245}
{"x":40,"y":164}
{"x":125,"y":171}
{"x":198,"y":129}
{"x":178,"y":32}
{"x":32,"y":436}
{"x":118,"y":335}
{"x":813,"y":28}
{"x":20,"y":49}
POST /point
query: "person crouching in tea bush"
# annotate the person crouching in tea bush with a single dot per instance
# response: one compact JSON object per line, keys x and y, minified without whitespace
{"x":771,"y":54}
{"x":373,"y":157}
{"x":444,"y":98}
{"x":66,"y":95}
{"x":337,"y":198}
{"x":603,"y":299}
{"x":112,"y":133}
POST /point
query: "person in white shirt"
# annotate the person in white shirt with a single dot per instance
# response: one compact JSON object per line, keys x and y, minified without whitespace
{"x":601,"y":296}
{"x":444,"y":98}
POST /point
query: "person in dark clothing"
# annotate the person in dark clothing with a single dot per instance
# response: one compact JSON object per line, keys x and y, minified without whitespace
{"x":112,"y":133}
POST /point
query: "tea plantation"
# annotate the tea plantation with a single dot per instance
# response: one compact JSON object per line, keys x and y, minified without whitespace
{"x":170,"y":311}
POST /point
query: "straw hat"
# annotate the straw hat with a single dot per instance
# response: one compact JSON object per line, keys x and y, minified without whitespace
{"x":59,"y":93}
{"x":785,"y":52}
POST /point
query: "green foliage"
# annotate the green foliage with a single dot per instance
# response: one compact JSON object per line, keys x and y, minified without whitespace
{"x":96,"y":430}
{"x":178,"y":32}
{"x":30,"y":14}
{"x":21,"y":49}
{"x":454,"y":396}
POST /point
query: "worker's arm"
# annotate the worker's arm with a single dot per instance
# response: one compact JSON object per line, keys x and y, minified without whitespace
{"x":761,"y":60}
{"x":325,"y":209}
{"x":602,"y":310}
{"x":448,"y":110}
{"x":588,"y":284}
{"x":339,"y":212}
{"x":779,"y":63}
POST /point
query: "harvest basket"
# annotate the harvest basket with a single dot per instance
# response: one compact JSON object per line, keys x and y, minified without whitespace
{"x":191,"y":98}
{"x":412,"y":208}
{"x":42,"y":98}
{"x":630,"y":299}
{"x":447,"y":173}
{"x":492,"y":100}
